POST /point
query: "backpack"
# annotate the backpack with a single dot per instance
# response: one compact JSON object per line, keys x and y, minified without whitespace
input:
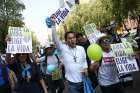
{"x":43,"y":65}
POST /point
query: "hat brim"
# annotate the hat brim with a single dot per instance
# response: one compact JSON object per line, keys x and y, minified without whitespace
{"x":101,"y":38}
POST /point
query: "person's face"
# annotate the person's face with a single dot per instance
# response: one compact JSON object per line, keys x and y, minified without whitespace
{"x":49,"y":50}
{"x":71,"y":40}
{"x":22,"y":58}
{"x":106,"y":43}
{"x":80,"y":40}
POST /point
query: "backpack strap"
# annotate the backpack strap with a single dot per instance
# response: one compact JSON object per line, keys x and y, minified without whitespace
{"x":58,"y":60}
{"x":45,"y":63}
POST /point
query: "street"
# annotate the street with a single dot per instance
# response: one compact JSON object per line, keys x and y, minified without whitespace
{"x":136,"y":86}
{"x":134,"y":89}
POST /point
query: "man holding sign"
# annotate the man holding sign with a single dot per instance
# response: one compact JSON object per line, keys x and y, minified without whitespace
{"x":107,"y":73}
{"x":74,"y":58}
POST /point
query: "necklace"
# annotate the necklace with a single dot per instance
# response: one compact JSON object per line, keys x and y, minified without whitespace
{"x":73,"y":53}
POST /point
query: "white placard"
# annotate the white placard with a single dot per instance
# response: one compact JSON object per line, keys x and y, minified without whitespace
{"x":124,"y":58}
{"x":21,"y":40}
{"x":61,"y":14}
{"x":91,"y":32}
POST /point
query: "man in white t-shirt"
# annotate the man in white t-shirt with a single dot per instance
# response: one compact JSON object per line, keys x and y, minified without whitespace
{"x":74,"y":60}
{"x":107,"y":73}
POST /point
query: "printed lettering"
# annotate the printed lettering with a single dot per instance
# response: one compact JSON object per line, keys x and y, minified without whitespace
{"x":119,"y":53}
{"x":120,"y":68}
{"x":15,"y":41}
{"x":10,"y":48}
{"x":23,"y":48}
{"x":130,"y":67}
{"x":121,"y":60}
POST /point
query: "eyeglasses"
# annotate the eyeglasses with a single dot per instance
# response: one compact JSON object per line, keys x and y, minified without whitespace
{"x":104,"y":41}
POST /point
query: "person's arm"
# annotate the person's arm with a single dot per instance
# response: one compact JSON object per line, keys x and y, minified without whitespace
{"x":40,"y":78}
{"x":43,"y":86}
{"x":12,"y":79}
{"x":8,"y":58}
{"x":55,"y":38}
{"x":38,"y":60}
{"x":94,"y":67}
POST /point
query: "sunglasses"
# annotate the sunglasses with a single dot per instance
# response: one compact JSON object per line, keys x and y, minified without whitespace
{"x":106,"y":41}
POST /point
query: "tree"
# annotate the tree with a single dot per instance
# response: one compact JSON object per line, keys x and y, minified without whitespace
{"x":97,"y":12}
{"x":102,"y":13}
{"x":10,"y":15}
{"x":35,"y":41}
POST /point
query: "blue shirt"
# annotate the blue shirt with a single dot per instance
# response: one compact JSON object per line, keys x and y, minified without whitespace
{"x":2,"y":81}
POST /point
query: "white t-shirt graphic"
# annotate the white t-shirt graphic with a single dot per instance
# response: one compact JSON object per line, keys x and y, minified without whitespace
{"x":108,"y":74}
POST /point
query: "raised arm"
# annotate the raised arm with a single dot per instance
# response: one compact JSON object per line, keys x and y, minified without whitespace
{"x":55,"y":38}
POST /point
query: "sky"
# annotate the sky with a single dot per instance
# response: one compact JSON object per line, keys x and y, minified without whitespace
{"x":35,"y":13}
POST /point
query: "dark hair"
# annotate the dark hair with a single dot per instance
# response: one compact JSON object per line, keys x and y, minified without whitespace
{"x":79,"y":34}
{"x":102,"y":38}
{"x":19,"y":69}
{"x":67,"y":33}
{"x":28,"y":58}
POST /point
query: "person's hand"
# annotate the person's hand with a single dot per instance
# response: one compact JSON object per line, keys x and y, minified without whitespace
{"x":94,"y":66}
{"x":37,"y":60}
{"x":53,"y":19}
{"x":12,"y":87}
{"x":7,"y":38}
{"x":45,"y":91}
{"x":85,"y":72}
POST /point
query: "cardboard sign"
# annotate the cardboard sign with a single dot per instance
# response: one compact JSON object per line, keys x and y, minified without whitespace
{"x":91,"y":32}
{"x":21,"y":40}
{"x":124,"y":58}
{"x":61,"y":14}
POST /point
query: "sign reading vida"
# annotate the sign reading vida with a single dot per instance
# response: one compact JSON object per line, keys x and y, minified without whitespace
{"x":20,"y":40}
{"x":124,"y":57}
{"x":61,"y":14}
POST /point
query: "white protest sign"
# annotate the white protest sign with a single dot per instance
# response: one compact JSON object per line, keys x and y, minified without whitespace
{"x":124,"y":58}
{"x":61,"y":14}
{"x":91,"y":32}
{"x":21,"y":40}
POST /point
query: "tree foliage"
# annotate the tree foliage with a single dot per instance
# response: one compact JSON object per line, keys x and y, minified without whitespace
{"x":102,"y":12}
{"x":10,"y":15}
{"x":35,"y":41}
